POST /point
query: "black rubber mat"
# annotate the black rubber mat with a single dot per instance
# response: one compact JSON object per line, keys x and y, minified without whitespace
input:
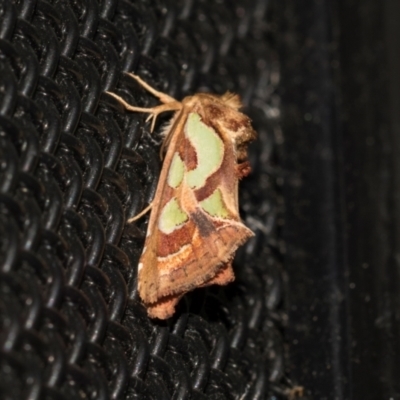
{"x":74,"y":166}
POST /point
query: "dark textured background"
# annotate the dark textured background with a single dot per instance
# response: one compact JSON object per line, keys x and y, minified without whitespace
{"x":340,"y":96}
{"x":74,"y":165}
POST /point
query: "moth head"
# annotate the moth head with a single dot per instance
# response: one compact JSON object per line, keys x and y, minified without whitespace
{"x":238,"y":126}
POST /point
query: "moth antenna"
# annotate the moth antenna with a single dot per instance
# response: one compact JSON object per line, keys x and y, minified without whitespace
{"x":164,"y":98}
{"x":153,"y":111}
{"x":129,"y":107}
{"x":140,"y":215}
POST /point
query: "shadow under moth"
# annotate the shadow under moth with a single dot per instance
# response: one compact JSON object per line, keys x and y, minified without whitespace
{"x":194,"y":227}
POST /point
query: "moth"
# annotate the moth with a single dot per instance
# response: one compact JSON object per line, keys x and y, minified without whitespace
{"x":194,"y":227}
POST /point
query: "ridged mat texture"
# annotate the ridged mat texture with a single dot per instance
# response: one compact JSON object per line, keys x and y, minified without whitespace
{"x":74,"y":166}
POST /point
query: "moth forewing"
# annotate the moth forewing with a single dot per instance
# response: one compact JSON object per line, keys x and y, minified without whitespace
{"x":194,"y":227}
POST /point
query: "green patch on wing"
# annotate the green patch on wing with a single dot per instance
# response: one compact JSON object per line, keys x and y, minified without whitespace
{"x":171,"y":217}
{"x":209,"y":150}
{"x":176,"y":171}
{"x":214,"y":205}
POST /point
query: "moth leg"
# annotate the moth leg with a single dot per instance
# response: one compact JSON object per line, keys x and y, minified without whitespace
{"x":153,"y":111}
{"x":164,"y":98}
{"x":143,"y":212}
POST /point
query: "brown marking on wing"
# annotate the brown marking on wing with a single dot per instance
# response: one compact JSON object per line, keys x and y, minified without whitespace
{"x":203,"y":224}
{"x":224,"y":174}
{"x":188,"y":154}
{"x":172,"y":243}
